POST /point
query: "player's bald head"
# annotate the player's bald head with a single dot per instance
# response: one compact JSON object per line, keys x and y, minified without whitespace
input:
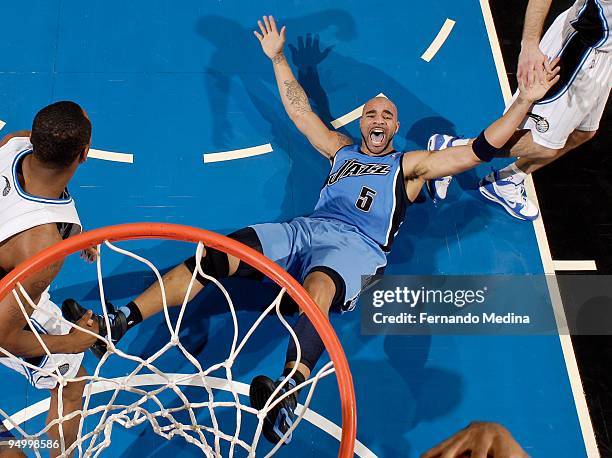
{"x":380,"y":103}
{"x":378,"y":125}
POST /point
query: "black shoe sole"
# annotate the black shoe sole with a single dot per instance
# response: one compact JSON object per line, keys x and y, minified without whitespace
{"x":73,"y":311}
{"x":260,"y":391}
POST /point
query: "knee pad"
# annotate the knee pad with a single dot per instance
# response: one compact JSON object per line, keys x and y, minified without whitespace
{"x":214,"y":264}
{"x":247,"y":236}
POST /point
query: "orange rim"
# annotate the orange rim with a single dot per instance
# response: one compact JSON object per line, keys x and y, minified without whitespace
{"x":222,"y":243}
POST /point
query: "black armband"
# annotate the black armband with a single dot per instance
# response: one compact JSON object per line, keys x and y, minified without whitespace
{"x":483,"y":149}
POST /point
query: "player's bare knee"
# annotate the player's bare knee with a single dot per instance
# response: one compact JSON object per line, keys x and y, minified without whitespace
{"x":321,"y":288}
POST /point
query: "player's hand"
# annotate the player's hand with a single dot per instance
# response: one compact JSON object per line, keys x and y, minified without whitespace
{"x":272,"y":42}
{"x":90,"y":255}
{"x":532,"y":62}
{"x":535,"y":89}
{"x":81,"y":341}
{"x":479,"y":440}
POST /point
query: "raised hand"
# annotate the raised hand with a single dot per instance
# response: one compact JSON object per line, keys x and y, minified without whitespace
{"x":479,"y":440}
{"x":531,"y":62}
{"x":89,"y":255}
{"x":534,"y":89}
{"x":272,"y":42}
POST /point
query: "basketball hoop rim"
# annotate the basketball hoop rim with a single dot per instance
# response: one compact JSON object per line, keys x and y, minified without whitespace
{"x":136,"y":231}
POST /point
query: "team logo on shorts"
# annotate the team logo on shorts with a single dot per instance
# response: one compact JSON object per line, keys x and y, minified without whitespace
{"x":353,"y":168}
{"x":7,"y":186}
{"x":63,"y":369}
{"x":540,"y":122}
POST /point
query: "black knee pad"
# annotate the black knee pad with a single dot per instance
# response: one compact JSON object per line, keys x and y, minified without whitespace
{"x":247,"y":236}
{"x":214,"y":264}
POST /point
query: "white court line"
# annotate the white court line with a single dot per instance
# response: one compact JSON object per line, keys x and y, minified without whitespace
{"x":351,"y":116}
{"x":2,"y":124}
{"x":435,"y":45}
{"x":217,"y":383}
{"x":237,"y":154}
{"x":575,"y":265}
{"x":110,"y":156}
{"x":582,"y":409}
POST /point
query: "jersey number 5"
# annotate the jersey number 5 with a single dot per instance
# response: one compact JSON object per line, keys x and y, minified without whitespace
{"x":366,"y":197}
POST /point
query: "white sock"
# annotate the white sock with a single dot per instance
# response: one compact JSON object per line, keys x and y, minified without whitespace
{"x":512,"y":173}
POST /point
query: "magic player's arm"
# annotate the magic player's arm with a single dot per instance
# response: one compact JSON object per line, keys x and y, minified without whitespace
{"x":13,"y":337}
{"x":426,"y":165}
{"x":531,"y":59}
{"x":19,"y":133}
{"x":295,"y":101}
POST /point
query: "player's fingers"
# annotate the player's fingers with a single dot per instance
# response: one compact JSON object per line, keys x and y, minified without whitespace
{"x":267,"y":22}
{"x":438,"y":449}
{"x":455,"y":451}
{"x":554,"y":81}
{"x":479,"y":453}
{"x":547,"y":65}
{"x":532,"y":79}
{"x":553,"y":64}
{"x":262,"y":28}
{"x":258,"y":35}
{"x":540,"y":74}
{"x":273,"y":24}
{"x":283,"y":32}
{"x":554,"y":73}
{"x":481,"y":449}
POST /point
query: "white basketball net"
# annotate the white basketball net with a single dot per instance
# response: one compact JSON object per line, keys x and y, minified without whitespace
{"x":96,"y":440}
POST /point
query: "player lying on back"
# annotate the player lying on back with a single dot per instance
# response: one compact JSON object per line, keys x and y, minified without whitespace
{"x":351,"y":230}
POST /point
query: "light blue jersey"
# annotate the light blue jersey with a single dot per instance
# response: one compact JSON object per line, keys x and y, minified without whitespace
{"x":352,"y":227}
{"x":367,"y":192}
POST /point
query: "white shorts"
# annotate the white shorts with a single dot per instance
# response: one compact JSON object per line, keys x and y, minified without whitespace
{"x":47,"y":319}
{"x":578,"y":101}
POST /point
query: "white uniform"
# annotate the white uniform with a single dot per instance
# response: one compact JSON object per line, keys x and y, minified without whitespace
{"x":20,"y":211}
{"x":580,"y":36}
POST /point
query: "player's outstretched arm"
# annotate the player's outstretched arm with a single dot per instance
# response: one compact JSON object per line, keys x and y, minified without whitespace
{"x":427,"y":165}
{"x":294,"y":98}
{"x":531,"y":59}
{"x":24,"y":343}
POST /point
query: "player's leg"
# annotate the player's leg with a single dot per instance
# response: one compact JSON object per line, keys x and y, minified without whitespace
{"x":214,"y":263}
{"x":506,"y":186}
{"x":72,"y":401}
{"x":322,"y":289}
{"x":6,"y":439}
{"x":332,"y":274}
{"x":530,"y":163}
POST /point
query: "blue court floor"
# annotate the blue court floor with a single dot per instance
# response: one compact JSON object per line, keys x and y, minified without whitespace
{"x":169,"y":81}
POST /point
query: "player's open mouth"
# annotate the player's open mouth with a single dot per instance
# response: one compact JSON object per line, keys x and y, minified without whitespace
{"x":377,"y":137}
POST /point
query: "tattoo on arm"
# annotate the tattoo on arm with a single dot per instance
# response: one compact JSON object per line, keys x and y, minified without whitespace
{"x":278,"y":59}
{"x":296,"y":96}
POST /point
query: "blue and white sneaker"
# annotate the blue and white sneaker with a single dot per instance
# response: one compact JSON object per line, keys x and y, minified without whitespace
{"x":280,"y":418}
{"x":438,"y":187}
{"x":510,"y":193}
